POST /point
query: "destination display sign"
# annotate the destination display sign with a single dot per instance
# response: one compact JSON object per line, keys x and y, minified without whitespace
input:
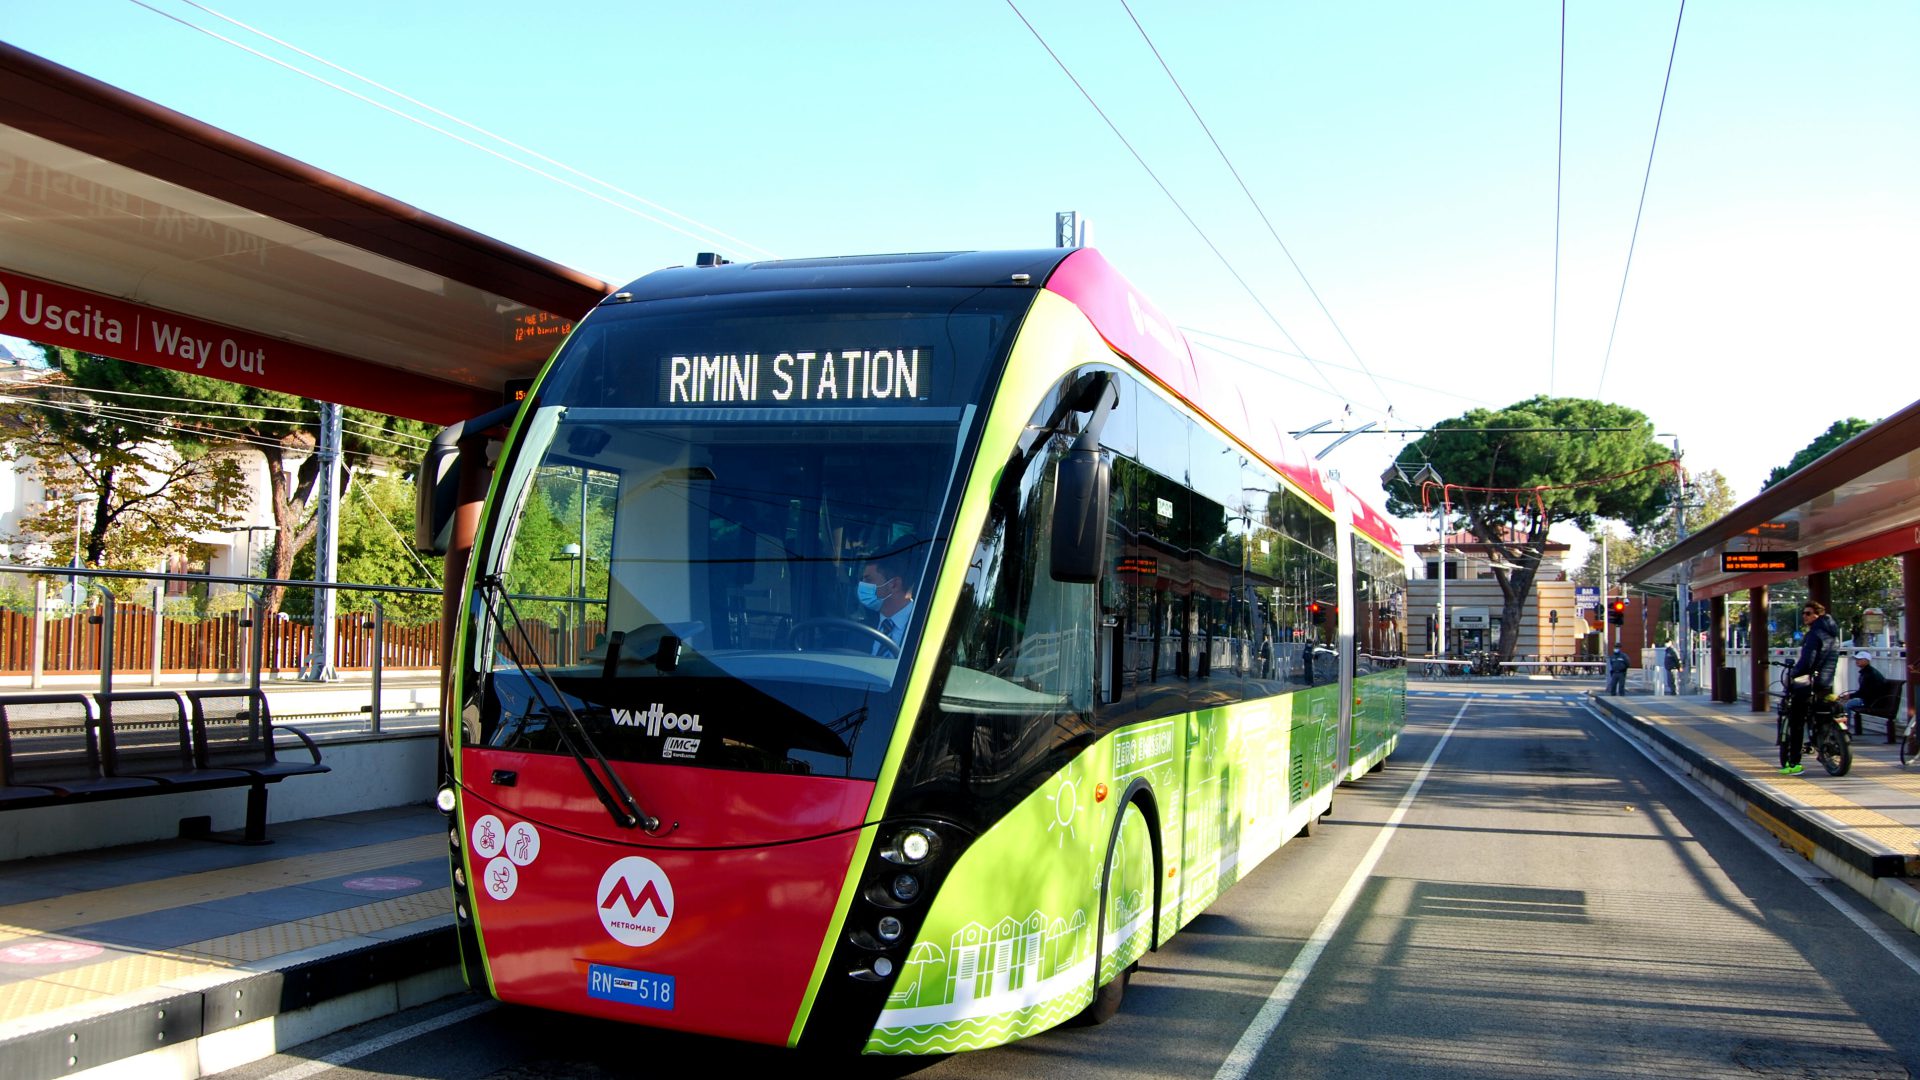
{"x":1759,"y":562}
{"x":877,"y":376}
{"x":1777,"y":530}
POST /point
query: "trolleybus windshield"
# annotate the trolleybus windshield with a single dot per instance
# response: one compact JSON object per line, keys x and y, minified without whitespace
{"x":713,"y":532}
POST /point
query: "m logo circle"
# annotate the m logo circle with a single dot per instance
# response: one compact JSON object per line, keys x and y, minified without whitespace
{"x":635,"y":901}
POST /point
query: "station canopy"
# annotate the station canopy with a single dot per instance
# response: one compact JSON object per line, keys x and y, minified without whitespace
{"x":1859,"y":502}
{"x":130,"y":230}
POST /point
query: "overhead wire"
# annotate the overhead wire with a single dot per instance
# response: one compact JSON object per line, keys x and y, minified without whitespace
{"x":1257,"y":208}
{"x":502,"y":139}
{"x":1194,"y":330}
{"x":1559,"y":170}
{"x":1645,"y":181}
{"x":405,"y":545}
{"x":1164,"y":190}
{"x":383,"y":106}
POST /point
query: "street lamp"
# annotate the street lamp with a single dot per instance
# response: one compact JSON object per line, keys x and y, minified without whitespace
{"x":572,"y":553}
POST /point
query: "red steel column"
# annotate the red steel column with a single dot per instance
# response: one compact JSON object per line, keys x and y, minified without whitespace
{"x":1910,"y":575}
{"x":1757,"y":644}
{"x":1820,"y":588}
{"x":1717,"y":649}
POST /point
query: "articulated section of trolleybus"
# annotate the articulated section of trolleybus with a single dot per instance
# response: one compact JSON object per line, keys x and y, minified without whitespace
{"x":711,"y":925}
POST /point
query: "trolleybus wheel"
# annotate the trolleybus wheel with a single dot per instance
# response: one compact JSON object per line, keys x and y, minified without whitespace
{"x":1126,"y":899}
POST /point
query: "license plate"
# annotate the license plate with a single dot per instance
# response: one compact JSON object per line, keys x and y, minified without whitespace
{"x":629,"y":987}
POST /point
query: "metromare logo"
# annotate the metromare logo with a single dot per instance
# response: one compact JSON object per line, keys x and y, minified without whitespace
{"x":635,"y":901}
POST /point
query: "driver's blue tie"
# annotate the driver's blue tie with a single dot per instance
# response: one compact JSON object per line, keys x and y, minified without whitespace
{"x":886,"y":627}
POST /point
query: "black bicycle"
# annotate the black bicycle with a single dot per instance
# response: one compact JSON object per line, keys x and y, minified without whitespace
{"x":1826,"y":736}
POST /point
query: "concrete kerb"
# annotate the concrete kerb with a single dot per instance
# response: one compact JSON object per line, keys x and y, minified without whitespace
{"x":187,"y":1033}
{"x":1875,"y":873}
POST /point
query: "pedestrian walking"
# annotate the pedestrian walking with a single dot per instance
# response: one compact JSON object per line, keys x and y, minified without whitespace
{"x":1617,"y":671}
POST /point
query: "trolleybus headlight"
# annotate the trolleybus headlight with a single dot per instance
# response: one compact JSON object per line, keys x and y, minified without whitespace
{"x":459,"y":877}
{"x":916,"y":845}
{"x":905,"y":888}
{"x":461,"y":910}
{"x":453,"y":837}
{"x":444,"y":800}
{"x":888,"y":928}
{"x":882,"y":966}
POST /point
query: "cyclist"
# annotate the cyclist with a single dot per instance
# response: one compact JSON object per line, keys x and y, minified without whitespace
{"x":1812,"y":675}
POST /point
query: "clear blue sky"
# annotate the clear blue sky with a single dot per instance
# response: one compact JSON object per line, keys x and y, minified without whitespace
{"x":1404,"y":152}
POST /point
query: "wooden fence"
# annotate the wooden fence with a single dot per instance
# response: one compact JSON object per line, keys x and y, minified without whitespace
{"x":221,"y":643}
{"x":211,"y":645}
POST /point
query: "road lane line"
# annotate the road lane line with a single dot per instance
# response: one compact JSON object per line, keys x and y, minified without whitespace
{"x":349,"y":1054}
{"x":1800,"y":867}
{"x":1240,"y":1061}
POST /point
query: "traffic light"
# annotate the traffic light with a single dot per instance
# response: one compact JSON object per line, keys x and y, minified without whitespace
{"x":1617,"y":612}
{"x":1315,"y":613}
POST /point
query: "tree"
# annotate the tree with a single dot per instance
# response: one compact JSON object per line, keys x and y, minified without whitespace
{"x":123,"y":484}
{"x":1853,"y":589}
{"x":1839,"y":432}
{"x":1710,"y":498}
{"x":283,"y":430}
{"x":375,"y":526}
{"x":1513,"y":473}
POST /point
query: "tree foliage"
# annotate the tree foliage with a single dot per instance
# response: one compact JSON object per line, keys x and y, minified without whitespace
{"x":1828,"y":440}
{"x":1854,"y":589}
{"x":123,"y":486}
{"x":1513,"y":473}
{"x":376,"y":523}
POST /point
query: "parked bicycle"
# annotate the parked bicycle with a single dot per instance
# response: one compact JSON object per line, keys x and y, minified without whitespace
{"x":1826,"y":736}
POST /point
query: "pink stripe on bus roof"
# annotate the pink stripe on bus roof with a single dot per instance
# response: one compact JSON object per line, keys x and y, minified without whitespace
{"x":1132,"y":326}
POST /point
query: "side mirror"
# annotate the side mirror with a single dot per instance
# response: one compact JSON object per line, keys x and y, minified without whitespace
{"x":1081,"y":483}
{"x":436,"y":490}
{"x":435,"y":495}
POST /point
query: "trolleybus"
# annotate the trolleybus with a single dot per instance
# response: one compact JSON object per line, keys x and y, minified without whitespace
{"x":885,"y":653}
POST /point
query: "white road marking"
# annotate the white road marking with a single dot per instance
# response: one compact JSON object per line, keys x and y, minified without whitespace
{"x":350,"y":1054}
{"x":1807,"y":872}
{"x":1267,"y":1020}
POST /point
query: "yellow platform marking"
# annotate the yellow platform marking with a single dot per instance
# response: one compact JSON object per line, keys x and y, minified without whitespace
{"x":127,"y":973}
{"x":121,"y":901}
{"x":1808,"y":791}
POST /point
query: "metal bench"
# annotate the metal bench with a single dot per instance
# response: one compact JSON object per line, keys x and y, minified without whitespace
{"x":1887,"y":707}
{"x":61,"y":749}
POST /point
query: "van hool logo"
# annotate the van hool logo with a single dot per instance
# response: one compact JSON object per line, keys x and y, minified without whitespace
{"x":657,"y":719}
{"x":635,"y":901}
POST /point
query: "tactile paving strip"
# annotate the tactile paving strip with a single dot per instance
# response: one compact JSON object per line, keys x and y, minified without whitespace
{"x":99,"y":905}
{"x":1809,"y":791}
{"x":127,"y":973}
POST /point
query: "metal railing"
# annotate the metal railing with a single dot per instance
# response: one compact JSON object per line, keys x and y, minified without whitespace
{"x":92,"y":629}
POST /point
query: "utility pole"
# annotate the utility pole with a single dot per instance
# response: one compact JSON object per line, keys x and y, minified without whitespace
{"x":326,"y":555}
{"x":1682,"y":594}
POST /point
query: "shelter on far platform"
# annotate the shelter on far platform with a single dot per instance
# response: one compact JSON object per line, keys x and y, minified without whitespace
{"x":1859,"y":502}
{"x":133,"y":231}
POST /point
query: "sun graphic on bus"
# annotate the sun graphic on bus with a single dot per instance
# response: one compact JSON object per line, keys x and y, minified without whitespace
{"x":1066,"y":804}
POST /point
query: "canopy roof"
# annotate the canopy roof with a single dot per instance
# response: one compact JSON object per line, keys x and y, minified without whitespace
{"x":144,"y":213}
{"x":1859,"y":502}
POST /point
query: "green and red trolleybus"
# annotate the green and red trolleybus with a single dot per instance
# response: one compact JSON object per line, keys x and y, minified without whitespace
{"x":887,"y":652}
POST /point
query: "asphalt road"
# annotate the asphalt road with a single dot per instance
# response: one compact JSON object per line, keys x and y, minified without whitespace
{"x":1534,"y":899}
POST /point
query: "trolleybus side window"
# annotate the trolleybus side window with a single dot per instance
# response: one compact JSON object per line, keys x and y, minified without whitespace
{"x":1015,"y":689}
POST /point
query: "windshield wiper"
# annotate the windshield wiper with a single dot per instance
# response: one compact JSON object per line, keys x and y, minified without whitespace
{"x":619,"y":801}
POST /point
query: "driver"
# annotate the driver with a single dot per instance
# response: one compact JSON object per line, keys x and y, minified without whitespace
{"x":883,"y":591}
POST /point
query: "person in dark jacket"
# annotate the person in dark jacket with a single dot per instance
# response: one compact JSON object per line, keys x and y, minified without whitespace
{"x":1811,"y":677}
{"x":1868,"y":686}
{"x":1617,"y":671}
